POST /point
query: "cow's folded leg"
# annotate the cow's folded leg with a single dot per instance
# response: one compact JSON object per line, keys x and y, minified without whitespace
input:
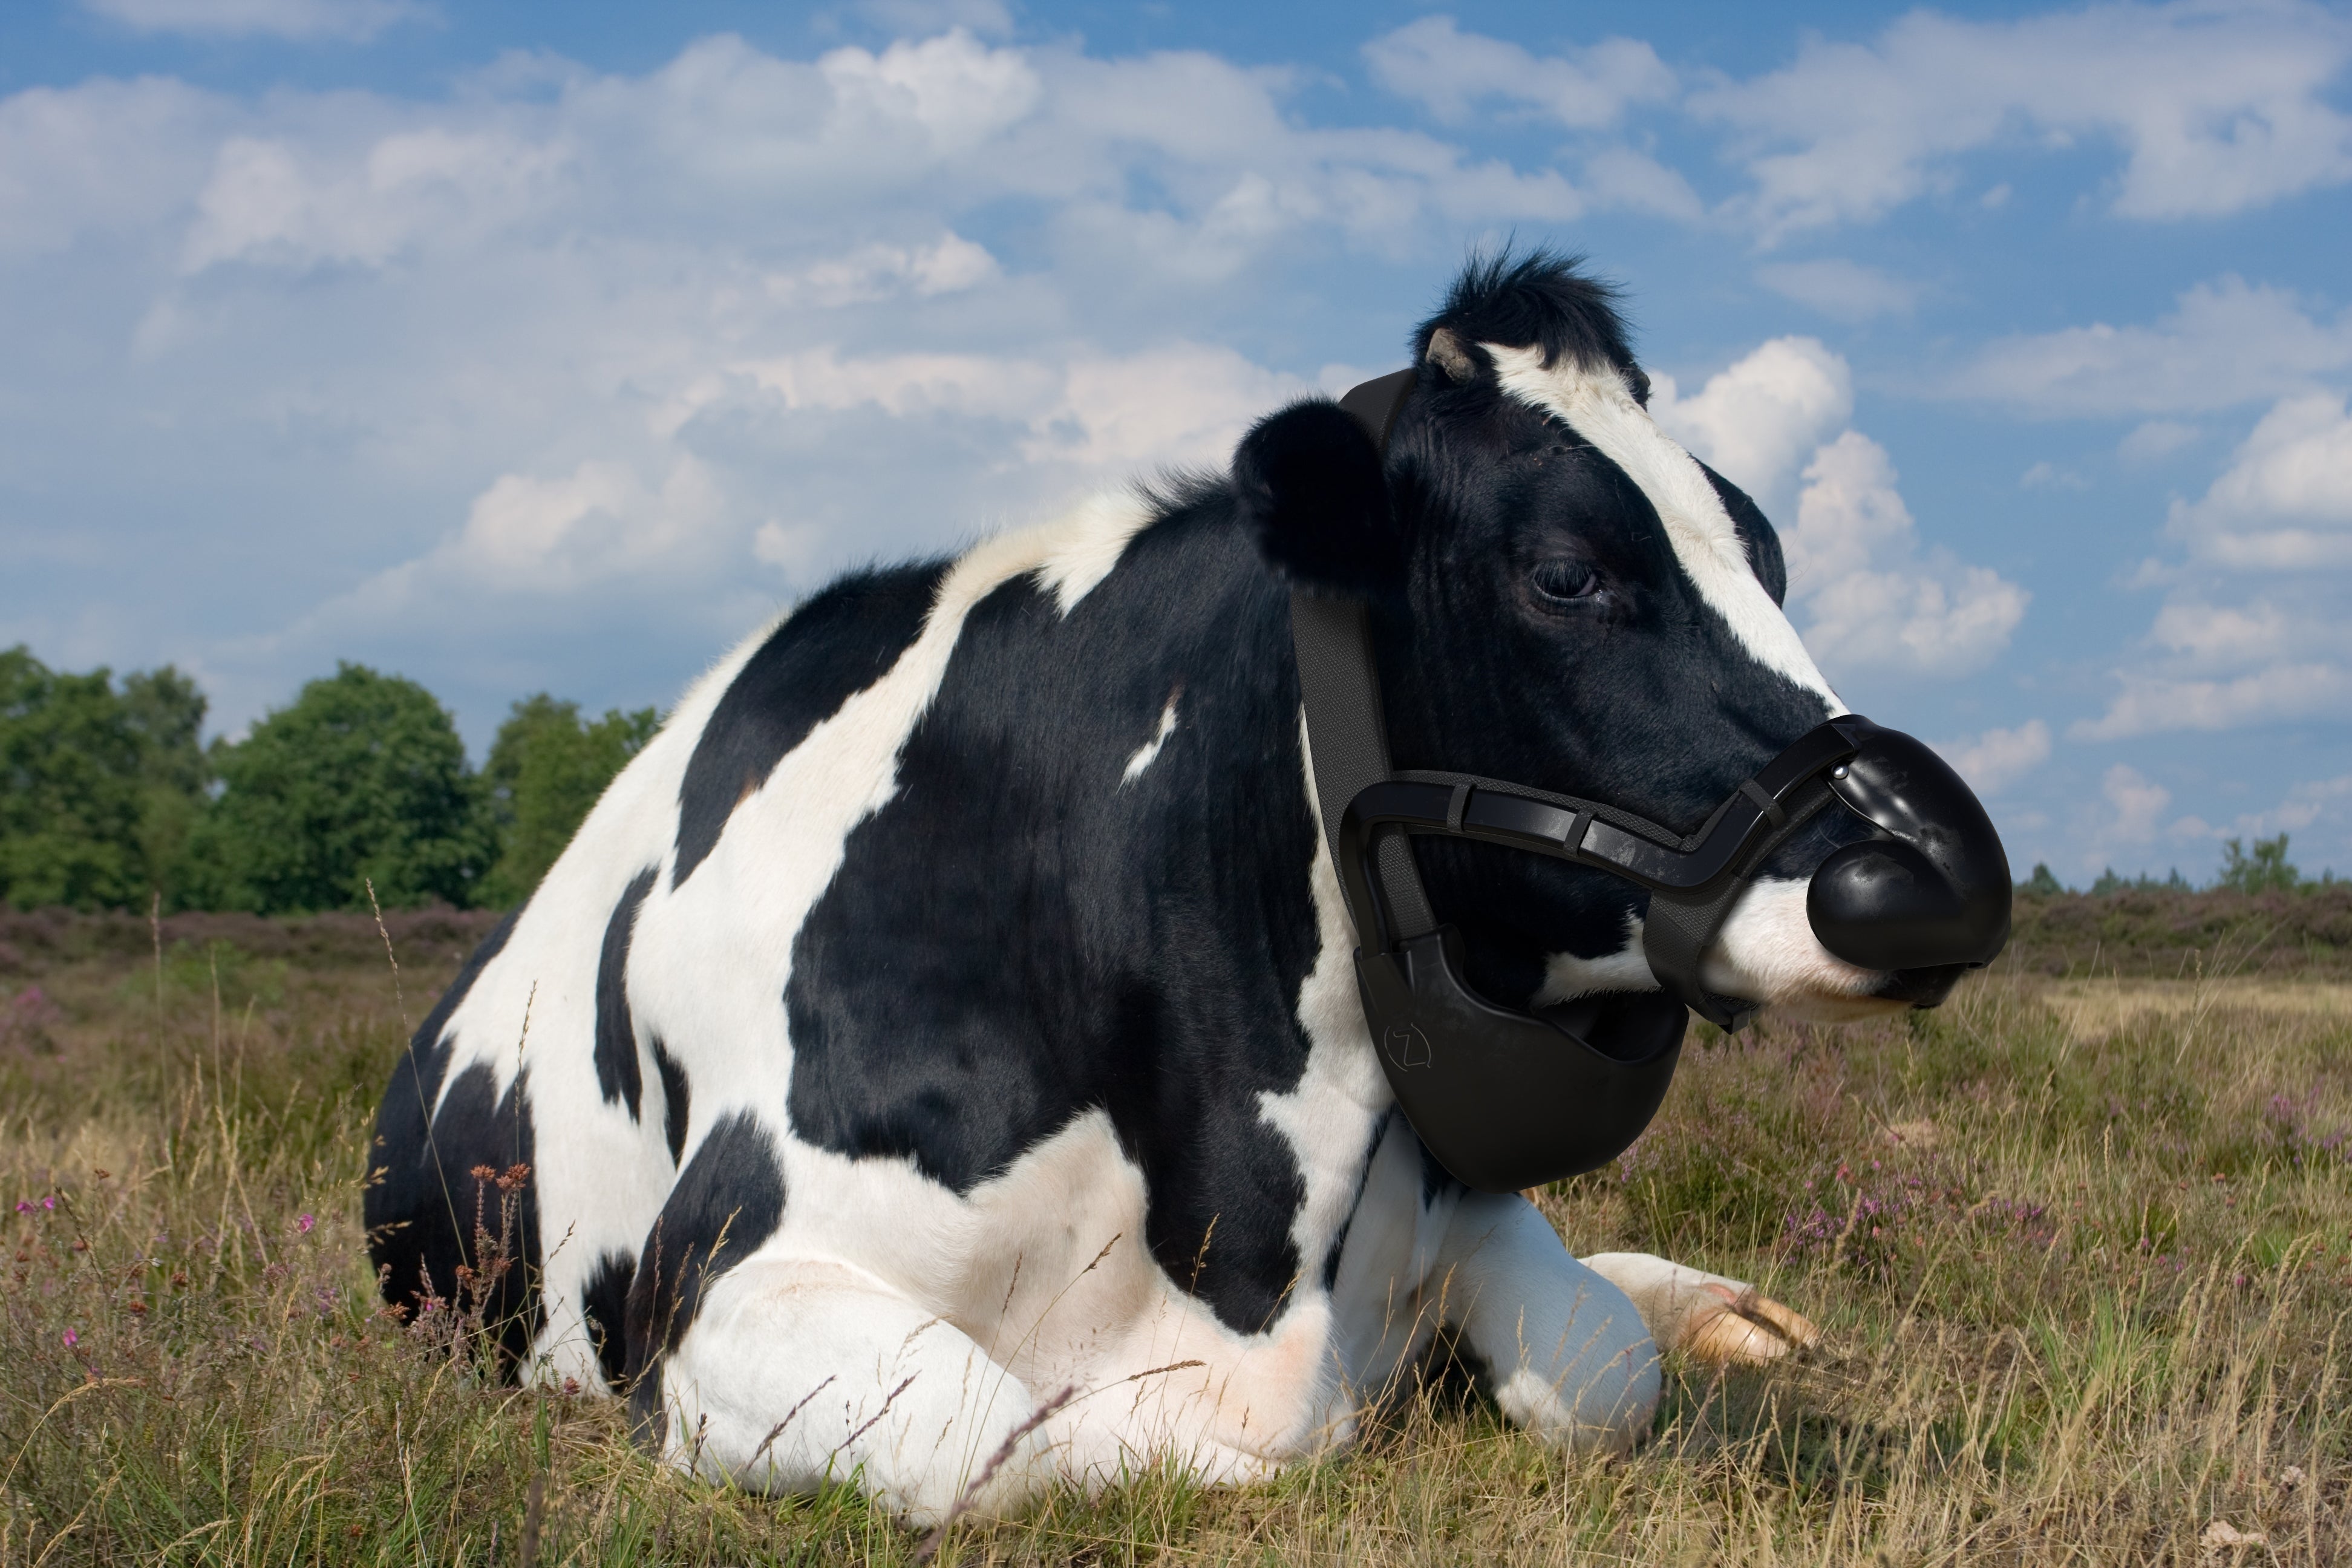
{"x":1567,"y":1353}
{"x":795,"y":1375}
{"x":1710,"y":1318}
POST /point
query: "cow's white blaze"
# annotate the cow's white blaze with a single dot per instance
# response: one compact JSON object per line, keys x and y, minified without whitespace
{"x":1595,"y":403}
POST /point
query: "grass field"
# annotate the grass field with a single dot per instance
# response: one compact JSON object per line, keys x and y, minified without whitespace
{"x":2080,"y":1242}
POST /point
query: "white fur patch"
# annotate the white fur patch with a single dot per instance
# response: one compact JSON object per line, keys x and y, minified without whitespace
{"x":1594,"y":402}
{"x":1148,"y":752}
{"x":1088,"y":542}
{"x":1567,"y":976}
{"x":1768,"y":953}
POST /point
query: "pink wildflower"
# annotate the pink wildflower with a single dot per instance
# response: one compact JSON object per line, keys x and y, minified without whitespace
{"x":50,"y":1201}
{"x":72,"y":1339}
{"x":305,"y":1223}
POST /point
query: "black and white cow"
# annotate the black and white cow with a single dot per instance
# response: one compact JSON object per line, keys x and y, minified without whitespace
{"x":952,"y":1007}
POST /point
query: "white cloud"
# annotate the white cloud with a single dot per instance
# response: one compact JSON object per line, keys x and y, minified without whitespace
{"x":538,"y":535}
{"x":1622,"y":178}
{"x":947,"y":266}
{"x":1756,"y":420}
{"x":103,"y":160}
{"x":2152,"y":704}
{"x":2285,"y":504}
{"x":1841,"y":289}
{"x":2217,"y":107}
{"x":1450,"y":73}
{"x":2156,"y":440}
{"x":2047,"y":475}
{"x":2137,"y":802}
{"x":2228,"y":342}
{"x":271,"y":202}
{"x":1874,"y":601}
{"x":353,"y":20}
{"x":2278,"y":520}
{"x":1996,"y":759}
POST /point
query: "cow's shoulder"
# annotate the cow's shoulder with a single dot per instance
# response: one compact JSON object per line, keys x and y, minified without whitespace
{"x":1089,"y":888}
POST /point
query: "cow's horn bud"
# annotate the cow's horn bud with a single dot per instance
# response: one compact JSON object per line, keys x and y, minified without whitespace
{"x":1446,"y":352}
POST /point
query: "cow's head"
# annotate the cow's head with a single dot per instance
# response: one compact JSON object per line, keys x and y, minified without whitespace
{"x":1562,"y":596}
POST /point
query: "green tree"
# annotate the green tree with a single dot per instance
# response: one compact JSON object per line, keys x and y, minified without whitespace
{"x":70,"y":788}
{"x":2264,"y":871}
{"x":546,"y":769}
{"x":363,"y":778}
{"x":166,"y":711}
{"x":2042,"y":882}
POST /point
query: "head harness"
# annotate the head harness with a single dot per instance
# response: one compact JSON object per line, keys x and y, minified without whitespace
{"x":1507,"y":1098}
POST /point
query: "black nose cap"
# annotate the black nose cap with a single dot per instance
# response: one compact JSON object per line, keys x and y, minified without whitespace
{"x":1935,"y":891}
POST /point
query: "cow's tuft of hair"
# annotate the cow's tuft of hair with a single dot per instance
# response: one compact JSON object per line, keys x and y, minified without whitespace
{"x":1308,"y":483}
{"x":1542,"y":299}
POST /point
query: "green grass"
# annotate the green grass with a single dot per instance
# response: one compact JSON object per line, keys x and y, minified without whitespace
{"x":2084,"y":1290}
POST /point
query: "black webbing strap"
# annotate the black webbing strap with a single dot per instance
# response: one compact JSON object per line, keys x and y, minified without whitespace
{"x":1340,"y":688}
{"x":1677,"y":932}
{"x":1349,"y":744}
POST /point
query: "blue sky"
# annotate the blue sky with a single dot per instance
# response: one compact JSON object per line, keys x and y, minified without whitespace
{"x":521,"y":346}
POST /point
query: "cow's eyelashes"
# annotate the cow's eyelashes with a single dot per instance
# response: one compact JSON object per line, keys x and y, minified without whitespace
{"x":1565,"y":581}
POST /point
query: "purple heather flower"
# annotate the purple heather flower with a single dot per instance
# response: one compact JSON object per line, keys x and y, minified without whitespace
{"x":72,"y":1339}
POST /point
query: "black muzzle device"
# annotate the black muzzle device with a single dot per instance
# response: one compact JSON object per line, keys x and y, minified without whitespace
{"x":1507,"y":1098}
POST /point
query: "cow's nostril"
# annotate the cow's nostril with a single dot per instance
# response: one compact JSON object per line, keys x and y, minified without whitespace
{"x":1880,"y":904}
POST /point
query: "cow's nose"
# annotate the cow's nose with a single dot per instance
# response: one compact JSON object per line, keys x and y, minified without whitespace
{"x":1880,"y":904}
{"x":1931,"y":888}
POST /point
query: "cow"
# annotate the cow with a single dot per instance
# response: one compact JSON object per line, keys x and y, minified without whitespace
{"x":936,"y":1060}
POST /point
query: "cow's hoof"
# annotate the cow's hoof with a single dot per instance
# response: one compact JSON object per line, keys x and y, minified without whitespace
{"x":1743,"y":1328}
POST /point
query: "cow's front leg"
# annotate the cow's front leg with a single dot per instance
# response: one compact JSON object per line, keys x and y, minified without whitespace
{"x":799,"y":1372}
{"x":1706,"y":1316}
{"x":1568,"y":1352}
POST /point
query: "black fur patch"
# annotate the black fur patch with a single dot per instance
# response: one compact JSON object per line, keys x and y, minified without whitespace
{"x":458,"y":1208}
{"x":604,"y":1302}
{"x":835,"y":645}
{"x":1019,"y":937}
{"x":673,"y":1099}
{"x":617,"y":1073}
{"x":727,"y":1201}
{"x":411,"y":1204}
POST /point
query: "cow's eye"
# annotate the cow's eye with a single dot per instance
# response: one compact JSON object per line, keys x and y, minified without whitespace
{"x":1566,"y":581}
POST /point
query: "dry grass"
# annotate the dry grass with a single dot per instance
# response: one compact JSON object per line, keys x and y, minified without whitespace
{"x":2084,"y":1277}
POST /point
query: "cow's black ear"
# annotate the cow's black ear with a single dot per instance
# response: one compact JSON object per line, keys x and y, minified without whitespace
{"x":1308,"y":481}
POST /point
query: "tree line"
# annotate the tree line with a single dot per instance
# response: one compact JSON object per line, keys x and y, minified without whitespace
{"x":110,"y":798}
{"x":2263,"y":870}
